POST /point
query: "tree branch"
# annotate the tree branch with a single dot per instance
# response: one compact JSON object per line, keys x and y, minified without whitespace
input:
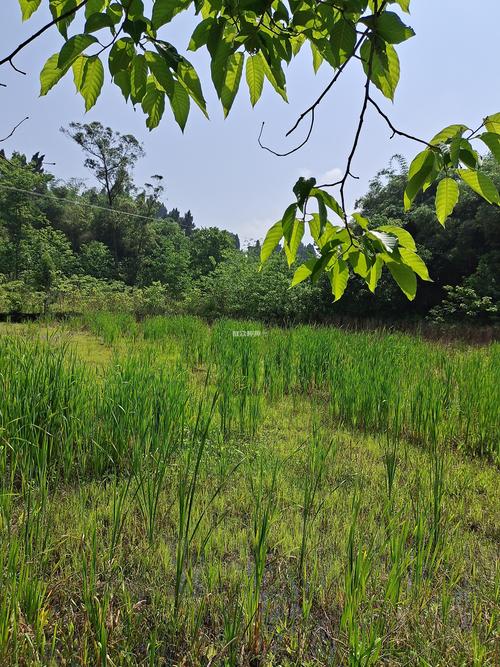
{"x":14,"y":129}
{"x":328,"y":87}
{"x":20,"y":47}
{"x":394,"y":130}
{"x":293,"y":150}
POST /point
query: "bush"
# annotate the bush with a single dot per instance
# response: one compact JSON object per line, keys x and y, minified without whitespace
{"x":463,"y":303}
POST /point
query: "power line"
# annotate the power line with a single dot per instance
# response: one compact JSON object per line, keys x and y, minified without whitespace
{"x":77,"y":203}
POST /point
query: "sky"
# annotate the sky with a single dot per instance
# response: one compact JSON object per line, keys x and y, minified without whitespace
{"x":449,"y":74}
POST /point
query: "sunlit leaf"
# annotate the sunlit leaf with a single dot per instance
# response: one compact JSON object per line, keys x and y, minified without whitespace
{"x":234,"y":69}
{"x":339,"y":276}
{"x":51,"y":74}
{"x":404,"y":237}
{"x":492,"y":123}
{"x":153,"y":104}
{"x":73,"y":48}
{"x":448,"y":133}
{"x":415,"y":263}
{"x":179,"y":101}
{"x":404,"y":277}
{"x":447,"y":195}
{"x":273,"y":237}
{"x":303,"y":272}
{"x":389,"y":27}
{"x":492,"y":140}
{"x":29,"y":7}
{"x":92,"y":81}
{"x":292,"y":246}
{"x":481,"y":184}
{"x":255,"y":77}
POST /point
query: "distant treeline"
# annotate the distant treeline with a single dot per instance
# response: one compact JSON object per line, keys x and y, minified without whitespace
{"x":116,"y":246}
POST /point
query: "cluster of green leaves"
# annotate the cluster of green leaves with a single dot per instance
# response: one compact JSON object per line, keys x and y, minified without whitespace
{"x":450,"y":154}
{"x":344,"y":245}
{"x":354,"y":244}
{"x":258,"y":37}
{"x":262,"y":37}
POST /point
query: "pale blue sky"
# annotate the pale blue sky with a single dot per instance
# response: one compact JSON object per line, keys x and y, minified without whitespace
{"x":216,"y":168}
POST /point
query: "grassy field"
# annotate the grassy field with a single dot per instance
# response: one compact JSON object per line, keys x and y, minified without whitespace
{"x":178,"y":494}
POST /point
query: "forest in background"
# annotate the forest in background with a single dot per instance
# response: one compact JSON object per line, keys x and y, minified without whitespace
{"x":67,"y":247}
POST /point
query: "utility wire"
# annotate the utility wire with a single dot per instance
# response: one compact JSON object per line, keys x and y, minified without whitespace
{"x":77,"y":203}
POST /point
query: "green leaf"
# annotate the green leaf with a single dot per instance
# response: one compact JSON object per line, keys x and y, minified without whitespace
{"x":200,"y":34}
{"x":404,"y":4}
{"x":188,"y":77}
{"x":94,"y":6}
{"x":273,"y":237}
{"x":303,"y":272}
{"x":388,"y":241}
{"x":315,"y":226}
{"x":92,"y":81}
{"x":51,"y":74}
{"x":448,"y":133}
{"x":420,"y":169}
{"x":447,"y":194}
{"x":29,"y":7}
{"x":339,"y":276}
{"x":278,"y":86}
{"x":342,"y":40}
{"x":219,"y":64}
{"x":232,"y":80}
{"x":385,"y":68}
{"x":165,"y":10}
{"x":153,"y":104}
{"x":329,"y":201}
{"x":78,"y":69}
{"x":98,"y":22}
{"x":492,"y":140}
{"x":404,"y":277}
{"x":467,"y":154}
{"x":73,"y":48}
{"x":120,"y":56}
{"x":374,"y":275}
{"x":415,"y":263}
{"x":160,"y":70}
{"x":389,"y":27}
{"x":57,"y":9}
{"x":255,"y":77}
{"x":492,"y":123}
{"x":138,"y":78}
{"x":287,"y":221}
{"x":302,"y":189}
{"x":135,"y":29}
{"x":179,"y":101}
{"x":292,"y":246}
{"x":405,"y":239}
{"x":317,"y":57}
{"x":481,"y":184}
{"x":115,"y":12}
{"x":360,"y":263}
{"x":361,"y":220}
{"x":122,"y":80}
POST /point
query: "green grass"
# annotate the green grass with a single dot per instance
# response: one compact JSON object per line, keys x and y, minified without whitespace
{"x":172,"y":494}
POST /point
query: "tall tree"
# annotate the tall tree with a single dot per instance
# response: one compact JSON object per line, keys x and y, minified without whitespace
{"x":110,"y":156}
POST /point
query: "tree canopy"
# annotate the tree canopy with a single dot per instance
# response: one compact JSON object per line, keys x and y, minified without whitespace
{"x":260,"y":39}
{"x":62,"y":246}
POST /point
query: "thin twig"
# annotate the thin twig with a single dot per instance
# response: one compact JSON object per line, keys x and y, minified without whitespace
{"x":394,"y":130}
{"x":20,"y":47}
{"x":14,"y":129}
{"x":293,"y":150}
{"x":328,"y":87}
